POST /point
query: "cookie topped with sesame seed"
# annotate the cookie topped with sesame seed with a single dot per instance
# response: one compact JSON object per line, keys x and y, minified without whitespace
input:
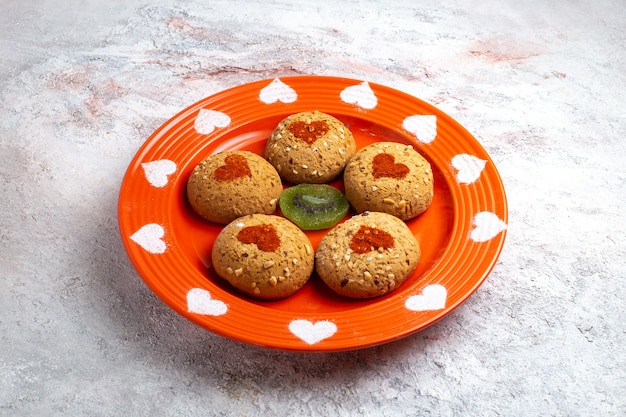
{"x":389,"y":177}
{"x":368,"y":255}
{"x":263,"y":256}
{"x":310,"y":147}
{"x":232,"y":184}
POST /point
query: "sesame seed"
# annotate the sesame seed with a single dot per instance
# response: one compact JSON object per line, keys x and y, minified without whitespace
{"x":281,"y":278}
{"x":305,"y":166}
{"x":388,"y":201}
{"x":402,"y":204}
{"x":287,"y":149}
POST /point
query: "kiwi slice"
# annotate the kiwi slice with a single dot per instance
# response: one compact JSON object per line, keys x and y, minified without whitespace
{"x":313,"y":206}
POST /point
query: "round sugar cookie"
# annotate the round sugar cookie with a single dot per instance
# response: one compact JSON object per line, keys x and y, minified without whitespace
{"x":263,"y":256}
{"x":232,"y":184}
{"x":310,"y":147}
{"x":368,"y":255}
{"x":389,"y":177}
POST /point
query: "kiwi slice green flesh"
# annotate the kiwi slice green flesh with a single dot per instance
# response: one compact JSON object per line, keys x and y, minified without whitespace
{"x":313,"y":206}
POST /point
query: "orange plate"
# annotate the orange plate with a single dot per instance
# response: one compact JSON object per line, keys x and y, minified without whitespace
{"x":461,"y":234}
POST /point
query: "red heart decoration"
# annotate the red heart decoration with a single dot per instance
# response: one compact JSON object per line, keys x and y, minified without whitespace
{"x":384,"y":165}
{"x":309,"y":132}
{"x":235,"y":166}
{"x":264,"y":236}
{"x":368,"y":239}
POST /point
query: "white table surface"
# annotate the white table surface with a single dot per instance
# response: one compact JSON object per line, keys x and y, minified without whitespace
{"x":541,"y":85}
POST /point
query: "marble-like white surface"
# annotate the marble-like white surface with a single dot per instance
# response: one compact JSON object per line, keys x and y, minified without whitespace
{"x":541,"y":86}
